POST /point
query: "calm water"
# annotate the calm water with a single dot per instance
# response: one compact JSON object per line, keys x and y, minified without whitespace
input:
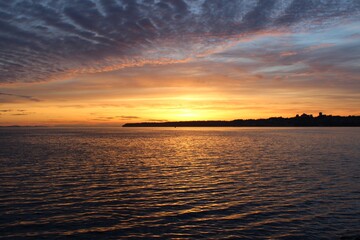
{"x":183,"y":183}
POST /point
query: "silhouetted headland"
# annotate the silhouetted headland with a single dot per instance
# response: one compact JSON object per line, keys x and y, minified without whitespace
{"x":303,"y":120}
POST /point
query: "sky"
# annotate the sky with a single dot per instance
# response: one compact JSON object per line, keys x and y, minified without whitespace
{"x":108,"y":62}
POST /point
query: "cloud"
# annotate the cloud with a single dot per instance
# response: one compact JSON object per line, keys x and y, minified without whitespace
{"x":7,"y":95}
{"x":109,"y":118}
{"x":15,"y":112}
{"x":20,"y":114}
{"x":129,"y":117}
{"x":156,"y":120}
{"x":10,"y":110}
{"x":326,"y":58}
{"x":45,"y":40}
{"x":103,"y":118}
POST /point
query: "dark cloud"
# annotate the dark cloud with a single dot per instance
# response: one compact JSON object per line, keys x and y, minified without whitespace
{"x":44,"y":40}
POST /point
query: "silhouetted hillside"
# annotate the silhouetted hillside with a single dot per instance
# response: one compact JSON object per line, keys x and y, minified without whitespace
{"x":303,"y":120}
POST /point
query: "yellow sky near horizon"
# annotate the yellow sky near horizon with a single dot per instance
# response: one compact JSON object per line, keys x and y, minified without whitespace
{"x":87,"y":101}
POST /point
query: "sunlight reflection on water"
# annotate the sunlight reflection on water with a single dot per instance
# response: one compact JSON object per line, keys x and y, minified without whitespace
{"x":255,"y":183}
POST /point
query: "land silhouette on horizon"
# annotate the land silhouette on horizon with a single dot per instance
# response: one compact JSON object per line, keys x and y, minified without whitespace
{"x":303,"y":120}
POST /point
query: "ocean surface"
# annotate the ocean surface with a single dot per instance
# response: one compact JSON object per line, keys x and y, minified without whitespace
{"x":179,"y":183}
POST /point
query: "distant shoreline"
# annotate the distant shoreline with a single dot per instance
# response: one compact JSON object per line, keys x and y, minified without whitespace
{"x":25,"y":126}
{"x":303,"y":120}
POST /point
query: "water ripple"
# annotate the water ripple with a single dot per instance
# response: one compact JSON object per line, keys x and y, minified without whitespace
{"x":256,"y":183}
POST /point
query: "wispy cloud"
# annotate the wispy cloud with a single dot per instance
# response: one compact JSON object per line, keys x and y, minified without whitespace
{"x":29,"y":98}
{"x":156,"y":120}
{"x":110,"y":118}
{"x":44,"y":40}
{"x":129,"y":117}
{"x":15,"y":112}
{"x":103,"y":118}
{"x":20,"y":114}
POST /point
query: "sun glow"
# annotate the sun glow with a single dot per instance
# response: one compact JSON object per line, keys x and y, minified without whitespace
{"x":188,"y":114}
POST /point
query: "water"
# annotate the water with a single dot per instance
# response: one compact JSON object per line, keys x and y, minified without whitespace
{"x":183,"y":183}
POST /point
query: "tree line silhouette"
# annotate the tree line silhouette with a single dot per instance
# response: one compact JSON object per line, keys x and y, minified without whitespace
{"x":303,"y":120}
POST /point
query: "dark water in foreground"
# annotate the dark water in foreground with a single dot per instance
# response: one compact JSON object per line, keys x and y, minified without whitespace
{"x":211,"y":183}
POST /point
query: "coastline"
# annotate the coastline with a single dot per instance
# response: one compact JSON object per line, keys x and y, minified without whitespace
{"x":298,"y":121}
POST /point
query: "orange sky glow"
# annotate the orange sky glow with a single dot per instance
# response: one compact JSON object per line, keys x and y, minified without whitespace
{"x":203,"y":72}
